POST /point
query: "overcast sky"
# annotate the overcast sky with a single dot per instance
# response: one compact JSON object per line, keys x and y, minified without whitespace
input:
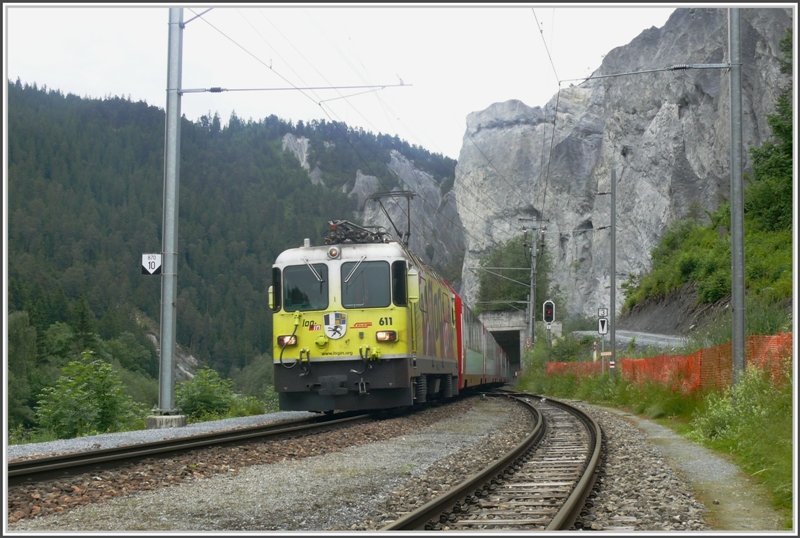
{"x":453,"y":59}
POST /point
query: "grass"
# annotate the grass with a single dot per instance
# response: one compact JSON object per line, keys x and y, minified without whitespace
{"x":19,"y":435}
{"x":751,"y":424}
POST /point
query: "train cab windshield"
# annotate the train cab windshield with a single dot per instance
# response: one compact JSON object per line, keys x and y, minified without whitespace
{"x":366,"y":284}
{"x":305,"y":287}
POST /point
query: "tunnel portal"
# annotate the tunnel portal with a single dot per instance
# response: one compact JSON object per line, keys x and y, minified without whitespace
{"x":510,"y":329}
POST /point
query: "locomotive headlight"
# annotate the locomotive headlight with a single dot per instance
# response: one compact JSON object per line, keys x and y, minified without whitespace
{"x":287,"y":340}
{"x":386,"y":336}
{"x":333,"y":253}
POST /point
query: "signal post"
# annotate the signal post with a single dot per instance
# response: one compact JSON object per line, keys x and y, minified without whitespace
{"x":549,"y":316}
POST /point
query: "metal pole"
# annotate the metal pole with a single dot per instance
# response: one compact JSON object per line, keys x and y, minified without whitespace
{"x":613,"y":312}
{"x":169,"y":275}
{"x":602,"y":350}
{"x":532,"y":294}
{"x":534,"y":248}
{"x":737,"y":203}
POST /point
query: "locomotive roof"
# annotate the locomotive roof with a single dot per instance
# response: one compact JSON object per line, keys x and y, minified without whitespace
{"x":316,"y":254}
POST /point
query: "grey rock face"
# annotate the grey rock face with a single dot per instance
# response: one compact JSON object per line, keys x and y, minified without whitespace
{"x":436,"y":230}
{"x":666,"y":135}
{"x":436,"y":233}
{"x":298,"y":146}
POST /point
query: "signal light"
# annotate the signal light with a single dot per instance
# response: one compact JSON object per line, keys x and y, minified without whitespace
{"x":549,"y":311}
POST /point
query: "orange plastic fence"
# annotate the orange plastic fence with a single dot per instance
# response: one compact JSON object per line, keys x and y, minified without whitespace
{"x":679,"y":372}
{"x":704,"y":369}
{"x":771,"y":353}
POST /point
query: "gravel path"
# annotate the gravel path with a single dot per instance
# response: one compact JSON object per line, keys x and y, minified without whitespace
{"x":378,"y":471}
{"x":115,"y":440}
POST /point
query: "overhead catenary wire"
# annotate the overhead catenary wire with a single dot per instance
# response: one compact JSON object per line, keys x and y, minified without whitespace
{"x":319,"y":102}
{"x":347,"y":60}
{"x":426,"y":202}
{"x":282,"y":77}
{"x":256,"y":58}
{"x":677,"y":67}
{"x":255,"y":28}
{"x":269,"y":66}
{"x":550,"y":154}
{"x":429,"y":205}
{"x":197,"y":16}
{"x":218,"y":89}
{"x":329,"y":113}
{"x":525,"y":284}
{"x":553,"y":133}
{"x":292,"y":85}
{"x":503,"y":176}
{"x":546,"y":48}
{"x":353,"y":94}
{"x":389,"y":113}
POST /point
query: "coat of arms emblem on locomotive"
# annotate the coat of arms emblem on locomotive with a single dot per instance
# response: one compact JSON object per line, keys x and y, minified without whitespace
{"x":335,"y":325}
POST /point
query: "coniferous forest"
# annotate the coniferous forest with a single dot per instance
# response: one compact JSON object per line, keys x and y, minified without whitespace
{"x":84,"y":201}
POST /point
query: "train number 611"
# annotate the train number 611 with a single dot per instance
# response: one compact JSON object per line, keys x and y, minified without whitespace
{"x":385,"y":321}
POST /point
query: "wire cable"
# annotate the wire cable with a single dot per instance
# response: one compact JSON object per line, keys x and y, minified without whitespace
{"x":328,"y":112}
{"x":547,"y":50}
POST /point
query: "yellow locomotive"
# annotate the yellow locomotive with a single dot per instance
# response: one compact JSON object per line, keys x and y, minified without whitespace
{"x":360,"y":323}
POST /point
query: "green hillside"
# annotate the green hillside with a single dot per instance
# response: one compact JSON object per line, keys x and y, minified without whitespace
{"x":85,"y":194}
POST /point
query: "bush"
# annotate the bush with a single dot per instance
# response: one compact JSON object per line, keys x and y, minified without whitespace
{"x":570,"y":349}
{"x":19,"y":435}
{"x":245,"y":406}
{"x":87,"y":398}
{"x":205,"y":397}
{"x":271,"y":400}
{"x":139,"y":386}
{"x":714,"y":286}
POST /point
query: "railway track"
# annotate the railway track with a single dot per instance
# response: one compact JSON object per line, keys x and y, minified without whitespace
{"x":541,"y":484}
{"x":44,"y":468}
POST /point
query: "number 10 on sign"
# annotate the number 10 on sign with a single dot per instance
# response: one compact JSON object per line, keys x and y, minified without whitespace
{"x":151,"y":264}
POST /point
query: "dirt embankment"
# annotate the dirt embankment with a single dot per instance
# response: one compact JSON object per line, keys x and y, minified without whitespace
{"x":678,"y":313}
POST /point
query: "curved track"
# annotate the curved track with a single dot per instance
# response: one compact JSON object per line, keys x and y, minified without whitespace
{"x":541,"y":484}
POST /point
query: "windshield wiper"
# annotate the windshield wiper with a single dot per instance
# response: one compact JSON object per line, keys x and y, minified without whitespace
{"x":354,"y":269}
{"x":311,"y":267}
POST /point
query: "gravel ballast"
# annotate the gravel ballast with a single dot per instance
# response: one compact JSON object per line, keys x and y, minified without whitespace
{"x":362,"y":486}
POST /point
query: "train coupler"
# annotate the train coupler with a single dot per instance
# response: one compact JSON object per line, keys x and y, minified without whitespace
{"x":305,"y":362}
{"x":362,"y":386}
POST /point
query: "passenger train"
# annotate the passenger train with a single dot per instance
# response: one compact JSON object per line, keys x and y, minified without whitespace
{"x":360,"y":323}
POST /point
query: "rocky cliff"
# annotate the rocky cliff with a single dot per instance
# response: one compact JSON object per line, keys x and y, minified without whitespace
{"x":436,"y":233}
{"x":436,"y":230}
{"x":664,"y":133}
